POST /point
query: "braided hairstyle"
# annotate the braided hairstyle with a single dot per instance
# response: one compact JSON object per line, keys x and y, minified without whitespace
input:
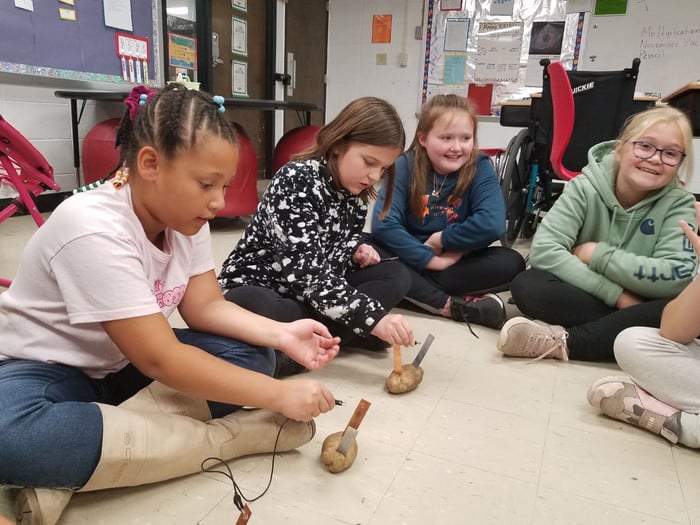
{"x":173,"y":120}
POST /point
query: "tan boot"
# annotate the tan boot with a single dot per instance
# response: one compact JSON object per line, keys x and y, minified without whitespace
{"x":45,"y":506}
{"x":140,"y":448}
{"x":158,"y":397}
{"x":40,"y":506}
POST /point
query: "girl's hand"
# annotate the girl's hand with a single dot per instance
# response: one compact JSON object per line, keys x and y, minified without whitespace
{"x":690,"y":233}
{"x":394,"y":329}
{"x":584,"y":251}
{"x":303,"y":399}
{"x":435,"y":243}
{"x":365,"y":256}
{"x":627,"y":299}
{"x":443,"y":261}
{"x":309,"y":343}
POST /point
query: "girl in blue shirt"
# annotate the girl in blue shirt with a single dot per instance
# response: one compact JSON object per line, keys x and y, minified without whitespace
{"x":447,"y":210}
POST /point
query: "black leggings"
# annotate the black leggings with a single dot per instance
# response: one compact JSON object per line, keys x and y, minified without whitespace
{"x":386,"y":282}
{"x":482,"y":271}
{"x":592,"y":325}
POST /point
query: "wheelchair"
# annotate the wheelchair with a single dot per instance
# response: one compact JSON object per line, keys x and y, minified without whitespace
{"x":24,"y":174}
{"x":575,"y":110}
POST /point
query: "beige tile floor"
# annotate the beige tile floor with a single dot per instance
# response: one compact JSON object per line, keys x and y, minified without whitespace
{"x":484,"y":439}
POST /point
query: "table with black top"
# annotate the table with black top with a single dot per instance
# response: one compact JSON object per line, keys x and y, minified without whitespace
{"x":302,"y":108}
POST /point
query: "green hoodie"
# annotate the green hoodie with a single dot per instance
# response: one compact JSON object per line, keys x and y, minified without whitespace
{"x":641,"y":249}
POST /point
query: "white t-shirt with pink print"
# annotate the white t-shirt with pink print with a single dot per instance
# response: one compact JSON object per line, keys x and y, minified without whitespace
{"x":92,"y":262}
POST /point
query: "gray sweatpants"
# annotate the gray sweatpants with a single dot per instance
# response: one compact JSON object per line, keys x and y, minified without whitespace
{"x":669,"y":371}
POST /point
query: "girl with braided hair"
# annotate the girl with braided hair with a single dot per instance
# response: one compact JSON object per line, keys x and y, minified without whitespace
{"x":96,"y":389}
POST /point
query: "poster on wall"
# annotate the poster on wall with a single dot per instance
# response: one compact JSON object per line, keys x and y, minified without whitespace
{"x":381,"y":29}
{"x":498,"y":52}
{"x":610,"y":7}
{"x":117,"y":14}
{"x":456,"y":34}
{"x":239,"y":78}
{"x":241,"y":5}
{"x":502,"y":7}
{"x":450,"y":5}
{"x":454,"y":72}
{"x":239,"y":36}
{"x":545,"y":42}
{"x":182,"y":51}
{"x":133,"y":54}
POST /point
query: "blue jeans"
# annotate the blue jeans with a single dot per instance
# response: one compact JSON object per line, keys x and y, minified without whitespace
{"x":50,"y":426}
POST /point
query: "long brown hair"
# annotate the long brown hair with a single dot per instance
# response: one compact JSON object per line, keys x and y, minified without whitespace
{"x":366,"y":120}
{"x":433,"y":109}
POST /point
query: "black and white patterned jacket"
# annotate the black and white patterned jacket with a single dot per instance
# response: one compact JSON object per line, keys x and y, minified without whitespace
{"x":300,"y":243}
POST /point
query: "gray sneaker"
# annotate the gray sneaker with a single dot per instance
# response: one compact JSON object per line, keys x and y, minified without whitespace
{"x":521,"y":337}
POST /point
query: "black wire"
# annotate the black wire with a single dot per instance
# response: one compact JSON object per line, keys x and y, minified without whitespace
{"x":238,"y":496}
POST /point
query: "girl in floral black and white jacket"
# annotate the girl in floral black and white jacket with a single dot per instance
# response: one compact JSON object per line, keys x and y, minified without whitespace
{"x":303,"y":252}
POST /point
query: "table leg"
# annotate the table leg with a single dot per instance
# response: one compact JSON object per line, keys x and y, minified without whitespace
{"x":76,"y":140}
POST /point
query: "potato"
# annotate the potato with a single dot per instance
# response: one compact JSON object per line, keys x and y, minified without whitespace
{"x":409,"y":379}
{"x":334,"y":460}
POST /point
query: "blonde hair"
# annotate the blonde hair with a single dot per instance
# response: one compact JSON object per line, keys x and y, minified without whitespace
{"x":433,"y":109}
{"x":366,"y":120}
{"x":637,"y":124}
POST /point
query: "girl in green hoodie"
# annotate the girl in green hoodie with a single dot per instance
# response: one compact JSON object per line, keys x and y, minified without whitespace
{"x":609,"y":254}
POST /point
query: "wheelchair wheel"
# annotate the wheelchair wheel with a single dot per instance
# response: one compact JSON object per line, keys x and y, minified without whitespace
{"x":529,"y":225}
{"x":514,"y":178}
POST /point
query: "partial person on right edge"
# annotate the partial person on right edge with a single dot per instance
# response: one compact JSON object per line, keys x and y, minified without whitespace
{"x":661,"y":392}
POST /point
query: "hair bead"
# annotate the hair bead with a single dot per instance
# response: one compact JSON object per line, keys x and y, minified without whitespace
{"x":219,"y":101}
{"x":121,"y":177}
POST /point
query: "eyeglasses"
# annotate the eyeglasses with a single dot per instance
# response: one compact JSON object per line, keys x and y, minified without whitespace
{"x":644,"y":150}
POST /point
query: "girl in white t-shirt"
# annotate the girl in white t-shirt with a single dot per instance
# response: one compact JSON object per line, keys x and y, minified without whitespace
{"x":87,"y":350}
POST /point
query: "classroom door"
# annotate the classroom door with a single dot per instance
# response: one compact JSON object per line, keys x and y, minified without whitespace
{"x":250,"y":56}
{"x":306,"y":30}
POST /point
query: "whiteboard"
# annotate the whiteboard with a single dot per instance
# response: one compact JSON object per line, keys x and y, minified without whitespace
{"x":664,"y":34}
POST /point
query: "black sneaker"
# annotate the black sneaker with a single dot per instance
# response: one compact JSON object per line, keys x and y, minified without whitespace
{"x":486,"y":310}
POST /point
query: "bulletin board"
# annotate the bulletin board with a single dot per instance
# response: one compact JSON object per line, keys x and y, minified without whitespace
{"x":40,"y":43}
{"x":664,"y":35}
{"x":456,"y":42}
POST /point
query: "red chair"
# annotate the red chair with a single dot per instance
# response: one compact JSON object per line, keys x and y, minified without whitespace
{"x":100,"y":157}
{"x":294,"y":141}
{"x":242,"y":195}
{"x":563,"y":123}
{"x":26,"y":172}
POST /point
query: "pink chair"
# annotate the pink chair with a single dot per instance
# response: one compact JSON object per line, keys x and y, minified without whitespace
{"x":24,"y":170}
